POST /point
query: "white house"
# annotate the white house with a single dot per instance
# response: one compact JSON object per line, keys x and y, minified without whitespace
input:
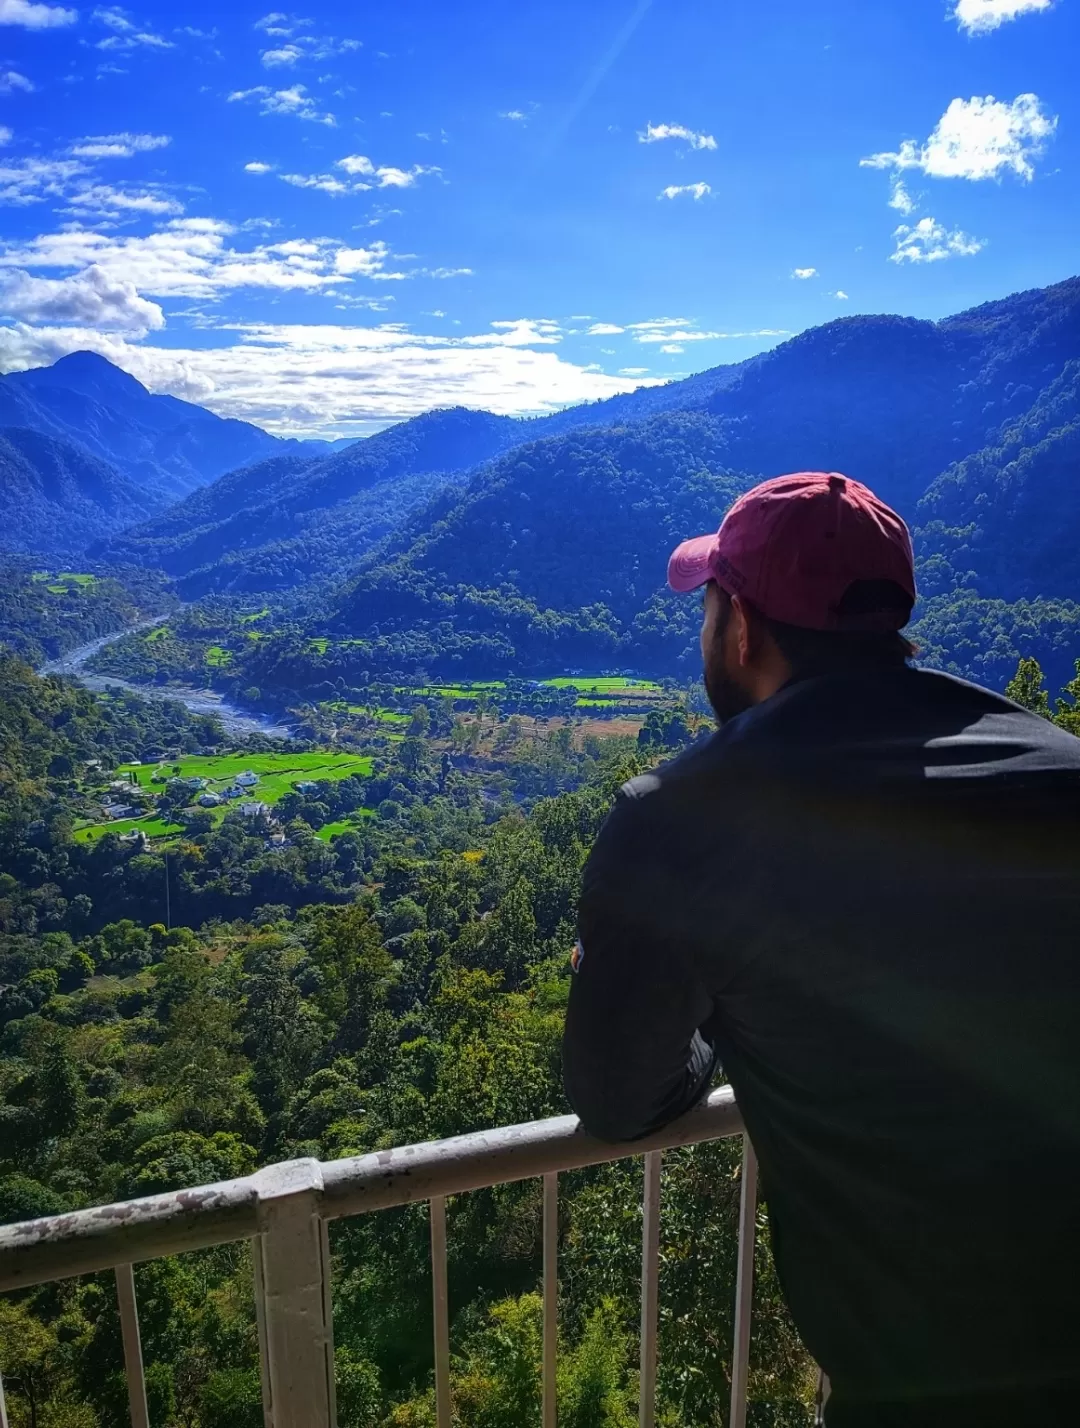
{"x":247,"y":779}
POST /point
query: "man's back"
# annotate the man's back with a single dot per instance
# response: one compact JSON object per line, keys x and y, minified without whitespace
{"x":873,"y":882}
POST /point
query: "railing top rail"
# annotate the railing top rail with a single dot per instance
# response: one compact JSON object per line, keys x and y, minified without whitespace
{"x":87,"y":1241}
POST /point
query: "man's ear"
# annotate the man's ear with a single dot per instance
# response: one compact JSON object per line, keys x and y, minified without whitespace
{"x":747,"y":631}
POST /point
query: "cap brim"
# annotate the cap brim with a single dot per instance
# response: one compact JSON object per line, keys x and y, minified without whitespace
{"x":690,"y":565}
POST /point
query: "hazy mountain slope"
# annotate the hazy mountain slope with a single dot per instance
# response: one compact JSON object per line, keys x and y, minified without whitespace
{"x":55,"y":497}
{"x":289,"y":520}
{"x":167,"y":447}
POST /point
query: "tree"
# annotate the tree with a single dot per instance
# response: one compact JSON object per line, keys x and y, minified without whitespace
{"x":1028,"y":688}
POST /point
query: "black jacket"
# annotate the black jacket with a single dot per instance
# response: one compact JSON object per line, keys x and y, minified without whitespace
{"x":862,"y":898}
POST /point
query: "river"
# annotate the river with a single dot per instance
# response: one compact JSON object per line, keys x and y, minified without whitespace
{"x":199,"y":701}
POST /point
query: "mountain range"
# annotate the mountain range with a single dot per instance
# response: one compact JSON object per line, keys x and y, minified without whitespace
{"x":123,"y":452}
{"x":466,"y":543}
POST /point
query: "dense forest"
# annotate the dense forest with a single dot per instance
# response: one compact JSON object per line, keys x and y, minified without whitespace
{"x":324,"y":1000}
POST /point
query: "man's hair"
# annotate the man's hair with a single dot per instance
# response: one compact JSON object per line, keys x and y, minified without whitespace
{"x":853,"y":645}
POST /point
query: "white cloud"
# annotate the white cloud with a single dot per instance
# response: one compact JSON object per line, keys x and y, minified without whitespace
{"x":190,"y":257}
{"x":257,"y":167}
{"x":326,"y":182}
{"x":92,"y":297}
{"x":294,"y":101}
{"x":633,"y":371}
{"x":274,"y":19}
{"x":654,"y":133}
{"x":6,"y":135}
{"x":674,"y":190}
{"x":515,"y":114}
{"x":448,"y":272}
{"x":840,"y":295}
{"x":286,"y":55}
{"x":384,"y":176}
{"x":672,"y":348}
{"x":979,"y":17}
{"x":35,"y":17}
{"x":930,"y":242}
{"x":604,"y":329}
{"x":118,"y":146}
{"x":303,"y":380}
{"x":11,"y":80}
{"x":900,"y":198}
{"x":803,"y":273}
{"x":977,"y":139}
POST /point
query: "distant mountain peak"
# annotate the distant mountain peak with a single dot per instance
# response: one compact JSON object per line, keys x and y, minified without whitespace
{"x":84,"y":370}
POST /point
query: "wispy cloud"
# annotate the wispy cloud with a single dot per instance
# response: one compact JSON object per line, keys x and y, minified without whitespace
{"x":6,"y":135}
{"x":294,"y":101}
{"x":840,"y":295}
{"x":930,"y":242}
{"x":978,"y":138}
{"x":661,"y":330}
{"x":656,"y":133}
{"x":677,"y":190}
{"x":104,"y":199}
{"x":802,"y":274}
{"x":900,"y":198}
{"x":118,"y":146}
{"x":11,"y":80}
{"x":33,"y":16}
{"x":979,"y":17}
{"x":126,"y":34}
{"x":298,"y":44}
{"x":604,"y":329}
{"x":516,"y":115}
{"x":25,"y":181}
{"x":257,"y":167}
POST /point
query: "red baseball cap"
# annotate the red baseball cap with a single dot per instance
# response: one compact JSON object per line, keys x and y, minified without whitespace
{"x":794,"y":545}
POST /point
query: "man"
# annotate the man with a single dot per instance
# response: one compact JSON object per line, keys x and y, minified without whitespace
{"x":861,"y":898}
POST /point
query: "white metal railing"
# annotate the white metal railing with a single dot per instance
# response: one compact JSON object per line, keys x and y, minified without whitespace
{"x":285,"y":1209}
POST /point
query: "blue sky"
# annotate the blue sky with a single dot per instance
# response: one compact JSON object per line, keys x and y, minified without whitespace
{"x":333,"y":217}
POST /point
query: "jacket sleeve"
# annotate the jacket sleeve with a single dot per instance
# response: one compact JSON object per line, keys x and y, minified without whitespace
{"x":633,"y":1055}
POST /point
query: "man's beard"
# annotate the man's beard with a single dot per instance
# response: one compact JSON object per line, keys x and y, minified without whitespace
{"x":727,"y":698}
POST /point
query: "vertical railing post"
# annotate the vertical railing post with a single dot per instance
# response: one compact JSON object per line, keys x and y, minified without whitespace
{"x":441,"y":1310}
{"x":293,"y":1272}
{"x":650,"y":1288}
{"x":744,"y":1286}
{"x":133,"y":1360}
{"x":551,"y":1297}
{"x":3,"y":1407}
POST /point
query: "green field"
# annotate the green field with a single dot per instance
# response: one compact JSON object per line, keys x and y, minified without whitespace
{"x":217,"y":657}
{"x":63,"y":582}
{"x":152,"y":826}
{"x":613,"y":685}
{"x":344,"y":825}
{"x":278,"y":775}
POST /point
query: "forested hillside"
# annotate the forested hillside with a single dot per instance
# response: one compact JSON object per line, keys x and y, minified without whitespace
{"x":57,"y":498}
{"x":290,"y":520}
